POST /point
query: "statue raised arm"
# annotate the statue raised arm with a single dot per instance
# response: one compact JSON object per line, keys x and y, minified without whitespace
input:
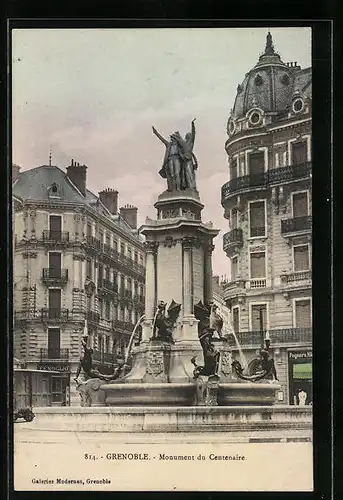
{"x":161,"y":138}
{"x":171,"y":167}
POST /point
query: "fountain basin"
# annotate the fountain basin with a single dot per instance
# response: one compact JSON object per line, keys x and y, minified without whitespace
{"x":247,"y":393}
{"x":183,"y":394}
{"x":149,"y":394}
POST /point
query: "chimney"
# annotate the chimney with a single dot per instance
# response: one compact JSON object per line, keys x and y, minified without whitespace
{"x":15,"y":172}
{"x":129,"y":213}
{"x":109,"y":198}
{"x":78,"y":175}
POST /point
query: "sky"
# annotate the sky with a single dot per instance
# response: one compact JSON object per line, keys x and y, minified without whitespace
{"x":94,"y":94}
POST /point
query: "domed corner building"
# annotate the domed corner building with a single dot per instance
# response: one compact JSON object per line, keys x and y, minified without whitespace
{"x":267,"y":203}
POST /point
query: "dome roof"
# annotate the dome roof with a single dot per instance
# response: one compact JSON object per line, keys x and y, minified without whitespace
{"x":271,"y":84}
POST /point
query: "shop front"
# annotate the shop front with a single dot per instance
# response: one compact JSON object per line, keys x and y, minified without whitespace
{"x":60,"y":382}
{"x":300,"y":376}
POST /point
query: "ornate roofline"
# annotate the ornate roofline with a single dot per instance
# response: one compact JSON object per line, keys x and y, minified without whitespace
{"x":83,"y":208}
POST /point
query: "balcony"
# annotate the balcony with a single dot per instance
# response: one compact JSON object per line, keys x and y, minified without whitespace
{"x":52,"y":276}
{"x":296,"y":277}
{"x":234,"y":290}
{"x":257,"y":283}
{"x":111,"y":256}
{"x":232,"y":240}
{"x":54,"y":354}
{"x":127,"y":326}
{"x":274,"y":176}
{"x":108,"y":287}
{"x":278,"y":336}
{"x":93,"y":244}
{"x":26,"y":315}
{"x":103,"y":357}
{"x":55,"y":236}
{"x":296,"y":225}
{"x":55,"y":314}
{"x":93,"y":317}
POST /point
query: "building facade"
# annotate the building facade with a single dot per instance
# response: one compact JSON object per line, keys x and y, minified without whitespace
{"x":79,"y":265}
{"x":267,"y":203}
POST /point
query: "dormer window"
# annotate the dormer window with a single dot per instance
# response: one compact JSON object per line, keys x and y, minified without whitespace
{"x":298,"y":105}
{"x":54,"y":191}
{"x":258,"y":80}
{"x":255,"y":117}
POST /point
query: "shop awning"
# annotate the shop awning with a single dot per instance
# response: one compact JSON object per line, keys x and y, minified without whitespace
{"x":302,"y":371}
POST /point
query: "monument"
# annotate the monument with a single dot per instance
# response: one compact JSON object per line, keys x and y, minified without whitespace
{"x":184,"y":377}
{"x":176,"y":353}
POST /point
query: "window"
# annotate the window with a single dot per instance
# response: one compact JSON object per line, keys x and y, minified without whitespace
{"x":107,"y":310}
{"x":303,"y":313}
{"x":235,"y":319}
{"x":55,"y":264}
{"x":234,"y":218}
{"x":107,"y":343}
{"x":89,"y":229}
{"x":122,"y":248}
{"x":101,"y":236}
{"x":54,"y":303}
{"x":122,"y":283}
{"x":122,"y":314}
{"x":115,"y":245}
{"x":129,"y":284}
{"x":300,"y":204}
{"x":89,"y":273}
{"x":107,"y":273}
{"x":299,"y":152}
{"x":301,"y":258}
{"x":115,"y":278}
{"x":259,"y":317}
{"x":101,"y":307}
{"x":234,"y":169}
{"x":257,"y":218}
{"x":256,"y":164}
{"x":135,"y":257}
{"x":54,"y":343}
{"x":129,"y":252}
{"x":234,"y":268}
{"x":257,"y":265}
{"x":100,"y":275}
{"x":55,"y":226}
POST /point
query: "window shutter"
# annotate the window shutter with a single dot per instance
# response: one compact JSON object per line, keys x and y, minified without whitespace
{"x":257,"y":265}
{"x":303,"y":313}
{"x":301,"y":258}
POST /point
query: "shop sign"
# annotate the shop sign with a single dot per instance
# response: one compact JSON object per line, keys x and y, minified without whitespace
{"x":300,"y":355}
{"x":54,"y":367}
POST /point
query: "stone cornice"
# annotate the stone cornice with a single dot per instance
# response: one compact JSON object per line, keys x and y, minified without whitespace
{"x":81,"y":209}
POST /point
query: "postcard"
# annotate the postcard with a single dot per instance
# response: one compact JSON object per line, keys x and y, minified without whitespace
{"x":162,"y":256}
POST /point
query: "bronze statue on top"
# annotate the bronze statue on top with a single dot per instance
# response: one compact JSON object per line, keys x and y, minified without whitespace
{"x":163,"y":324}
{"x":179,"y":163}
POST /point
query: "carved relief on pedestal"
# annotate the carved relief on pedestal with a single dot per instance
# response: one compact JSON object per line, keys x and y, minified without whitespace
{"x":155,"y":363}
{"x":226,"y":360}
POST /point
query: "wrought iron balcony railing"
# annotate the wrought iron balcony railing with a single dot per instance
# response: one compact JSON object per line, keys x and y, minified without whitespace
{"x":93,"y":317}
{"x":110,"y":286}
{"x":296,"y":224}
{"x":53,"y":354}
{"x":55,"y":314}
{"x":277,"y":336}
{"x":55,"y":236}
{"x":52,"y":275}
{"x":93,"y":243}
{"x":103,"y":357}
{"x":122,"y":325}
{"x":232,"y":238}
{"x":273,"y":176}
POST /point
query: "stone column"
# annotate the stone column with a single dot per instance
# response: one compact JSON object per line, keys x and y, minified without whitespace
{"x":150,"y":289}
{"x":187,"y":277}
{"x":208,"y":293}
